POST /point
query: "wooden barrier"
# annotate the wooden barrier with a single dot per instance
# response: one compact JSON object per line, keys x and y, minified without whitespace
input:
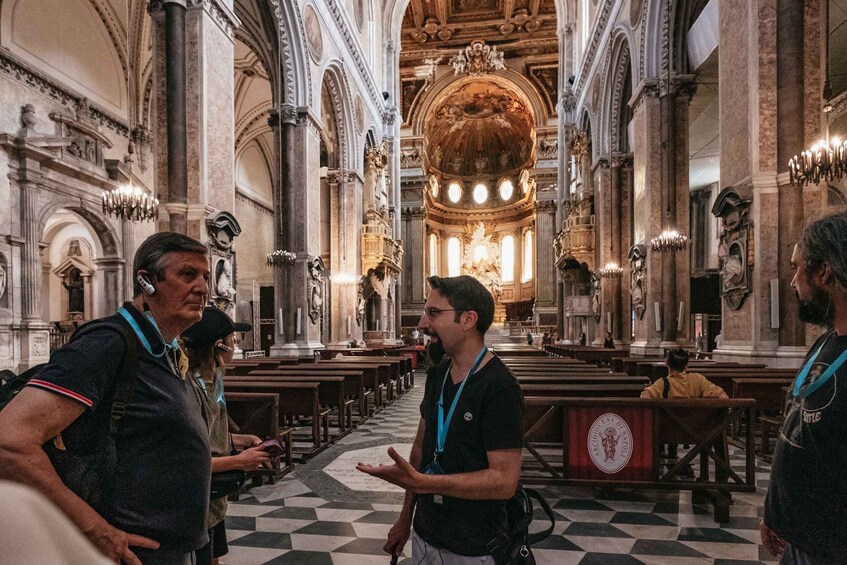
{"x":257,"y":413}
{"x":615,"y":442}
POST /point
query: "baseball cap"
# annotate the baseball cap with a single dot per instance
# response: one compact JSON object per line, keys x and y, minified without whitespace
{"x":214,"y":325}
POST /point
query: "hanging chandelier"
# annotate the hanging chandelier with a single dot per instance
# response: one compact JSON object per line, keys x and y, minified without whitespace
{"x":477,"y":59}
{"x":825,"y":161}
{"x":611,"y":271}
{"x":130,"y":203}
{"x":281,"y":258}
{"x":669,"y":241}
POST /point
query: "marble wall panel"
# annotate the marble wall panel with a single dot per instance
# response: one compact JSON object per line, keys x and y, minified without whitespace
{"x":734,"y":92}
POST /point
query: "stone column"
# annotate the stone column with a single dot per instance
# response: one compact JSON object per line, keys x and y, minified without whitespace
{"x":124,"y":291}
{"x":416,"y":247}
{"x":648,"y":214}
{"x":193,"y":49}
{"x":114,"y":294}
{"x":34,"y":332}
{"x":545,"y":276}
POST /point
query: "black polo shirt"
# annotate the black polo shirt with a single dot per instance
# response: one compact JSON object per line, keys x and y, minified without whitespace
{"x":488,"y":417}
{"x":163,"y":454}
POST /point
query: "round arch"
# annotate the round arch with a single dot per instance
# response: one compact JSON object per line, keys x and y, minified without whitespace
{"x":335,"y":77}
{"x":296,"y":79}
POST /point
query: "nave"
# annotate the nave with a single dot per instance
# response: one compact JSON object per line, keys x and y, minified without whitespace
{"x":325,"y":512}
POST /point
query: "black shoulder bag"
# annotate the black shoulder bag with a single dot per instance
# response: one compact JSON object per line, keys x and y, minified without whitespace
{"x":520,"y":513}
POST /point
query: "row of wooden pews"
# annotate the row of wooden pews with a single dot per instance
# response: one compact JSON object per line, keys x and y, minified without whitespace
{"x":586,"y":425}
{"x":317,"y":401}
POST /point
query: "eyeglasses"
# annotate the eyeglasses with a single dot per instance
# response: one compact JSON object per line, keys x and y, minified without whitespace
{"x":433,"y":312}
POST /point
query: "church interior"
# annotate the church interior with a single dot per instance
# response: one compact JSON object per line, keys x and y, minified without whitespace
{"x":639,"y":169}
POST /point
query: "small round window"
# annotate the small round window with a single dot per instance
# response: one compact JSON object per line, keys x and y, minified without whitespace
{"x":454,"y":192}
{"x":506,"y":189}
{"x":480,"y":193}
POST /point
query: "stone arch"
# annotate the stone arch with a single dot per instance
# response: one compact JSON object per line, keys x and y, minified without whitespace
{"x":665,"y":34}
{"x":296,"y":79}
{"x":34,"y":31}
{"x":621,"y":69}
{"x":107,"y":240}
{"x":507,"y":79}
{"x":335,"y":78}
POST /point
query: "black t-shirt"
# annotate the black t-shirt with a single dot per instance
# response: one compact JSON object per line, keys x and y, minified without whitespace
{"x":488,"y":417}
{"x":806,"y":502}
{"x":162,"y":442}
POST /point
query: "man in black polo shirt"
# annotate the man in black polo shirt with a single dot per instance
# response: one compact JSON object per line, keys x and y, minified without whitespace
{"x":157,"y":506}
{"x":466,"y":458}
{"x":806,"y":505}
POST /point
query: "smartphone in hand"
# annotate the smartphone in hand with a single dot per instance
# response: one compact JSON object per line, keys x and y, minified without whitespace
{"x":273,"y":447}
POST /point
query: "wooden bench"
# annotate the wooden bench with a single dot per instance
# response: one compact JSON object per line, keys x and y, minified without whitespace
{"x":603,"y":390}
{"x":296,"y":400}
{"x":564,"y":438}
{"x":257,"y":414}
{"x":387,"y":372}
{"x":769,"y":394}
{"x":615,"y":379}
{"x":331,"y":393}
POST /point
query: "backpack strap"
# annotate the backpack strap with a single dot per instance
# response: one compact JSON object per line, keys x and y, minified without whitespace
{"x":667,"y":387}
{"x":127,"y":372}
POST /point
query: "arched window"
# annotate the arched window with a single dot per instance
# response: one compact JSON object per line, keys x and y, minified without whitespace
{"x":433,"y":255}
{"x":507,"y":258}
{"x":454,"y":257}
{"x":527,"y":256}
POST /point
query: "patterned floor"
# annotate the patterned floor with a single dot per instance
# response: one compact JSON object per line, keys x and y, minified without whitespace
{"x":327,"y":513}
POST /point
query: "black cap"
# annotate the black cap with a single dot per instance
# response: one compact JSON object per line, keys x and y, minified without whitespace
{"x":214,"y":325}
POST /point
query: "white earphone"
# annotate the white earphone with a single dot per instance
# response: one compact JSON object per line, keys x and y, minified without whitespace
{"x":145,"y":284}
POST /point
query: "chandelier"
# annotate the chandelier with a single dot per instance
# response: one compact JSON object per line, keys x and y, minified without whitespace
{"x":281,"y":258}
{"x":669,"y":240}
{"x":825,"y":161}
{"x":477,"y":59}
{"x":130,"y":203}
{"x":610,"y":271}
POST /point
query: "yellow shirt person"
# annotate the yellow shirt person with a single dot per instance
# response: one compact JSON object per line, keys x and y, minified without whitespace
{"x":681,"y":384}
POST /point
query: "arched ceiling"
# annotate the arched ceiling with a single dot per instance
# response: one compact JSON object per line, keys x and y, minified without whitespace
{"x":480,"y":129}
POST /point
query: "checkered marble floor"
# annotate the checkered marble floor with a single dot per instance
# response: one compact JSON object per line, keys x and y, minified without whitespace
{"x":327,"y":513}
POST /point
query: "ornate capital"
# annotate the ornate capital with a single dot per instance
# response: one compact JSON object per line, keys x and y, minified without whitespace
{"x":568,"y":101}
{"x":413,"y":212}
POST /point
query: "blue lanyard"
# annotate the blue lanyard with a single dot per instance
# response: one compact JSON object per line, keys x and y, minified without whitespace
{"x":444,"y":425}
{"x":804,"y":373}
{"x":143,"y":338}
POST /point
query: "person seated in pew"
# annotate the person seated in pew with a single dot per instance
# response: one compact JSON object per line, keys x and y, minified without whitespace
{"x":209,"y":346}
{"x":681,"y":384}
{"x":608,"y":342}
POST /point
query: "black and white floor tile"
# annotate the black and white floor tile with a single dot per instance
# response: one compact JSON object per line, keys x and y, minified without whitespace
{"x":327,"y":513}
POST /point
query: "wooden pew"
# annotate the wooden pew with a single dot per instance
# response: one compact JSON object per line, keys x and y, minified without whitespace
{"x":355,"y":388}
{"x":616,"y":379}
{"x":563,"y":436}
{"x":769,"y":394}
{"x":257,"y":413}
{"x":295,"y":400}
{"x":331,"y":392}
{"x":388,"y":371}
{"x":602,"y":390}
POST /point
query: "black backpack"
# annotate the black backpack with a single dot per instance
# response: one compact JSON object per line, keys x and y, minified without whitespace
{"x":90,"y":471}
{"x":519,"y":510}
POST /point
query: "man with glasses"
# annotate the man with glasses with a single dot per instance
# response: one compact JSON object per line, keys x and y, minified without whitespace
{"x":466,"y":458}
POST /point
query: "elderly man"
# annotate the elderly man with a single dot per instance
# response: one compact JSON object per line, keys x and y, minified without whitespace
{"x":806,"y":505}
{"x":466,"y":458}
{"x":155,"y":482}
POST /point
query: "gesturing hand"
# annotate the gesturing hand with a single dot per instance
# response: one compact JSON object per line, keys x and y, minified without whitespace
{"x":401,"y":473}
{"x":115,"y":544}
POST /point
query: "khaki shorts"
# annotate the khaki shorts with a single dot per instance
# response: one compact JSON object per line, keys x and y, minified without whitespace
{"x":424,"y":553}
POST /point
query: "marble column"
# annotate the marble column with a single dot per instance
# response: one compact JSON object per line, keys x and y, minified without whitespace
{"x":416,"y":247}
{"x":113,"y":295}
{"x":193,"y":87}
{"x":128,"y":251}
{"x":34,"y":332}
{"x":545,"y":276}
{"x":649,"y":217}
{"x":299,"y":197}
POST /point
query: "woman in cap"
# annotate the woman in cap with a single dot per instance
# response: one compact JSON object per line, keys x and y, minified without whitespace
{"x":209,"y":345}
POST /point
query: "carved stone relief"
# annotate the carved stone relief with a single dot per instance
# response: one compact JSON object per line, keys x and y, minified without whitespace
{"x":548,"y":148}
{"x":410,"y":90}
{"x":316,"y":289}
{"x":637,"y":262}
{"x":4,"y":282}
{"x":359,"y":114}
{"x":223,"y":228}
{"x":734,"y":249}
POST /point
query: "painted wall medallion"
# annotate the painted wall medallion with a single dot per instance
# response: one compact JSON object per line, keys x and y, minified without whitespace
{"x":313,"y":34}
